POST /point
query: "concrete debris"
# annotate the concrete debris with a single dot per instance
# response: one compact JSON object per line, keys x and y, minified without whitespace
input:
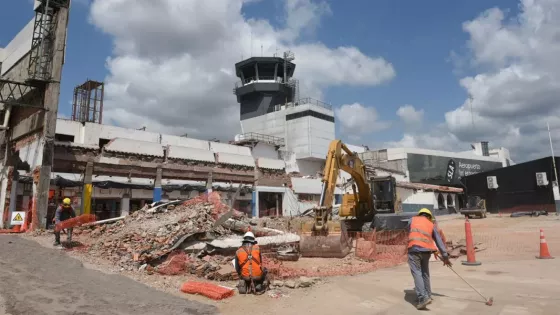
{"x":145,"y":235}
{"x":458,"y":249}
{"x":287,"y":253}
{"x":196,"y":237}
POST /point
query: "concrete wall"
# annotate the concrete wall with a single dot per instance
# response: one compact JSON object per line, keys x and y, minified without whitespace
{"x":32,"y":153}
{"x":18,"y":48}
{"x":264,"y":150}
{"x":94,"y":132}
{"x":307,"y":137}
{"x":184,"y":142}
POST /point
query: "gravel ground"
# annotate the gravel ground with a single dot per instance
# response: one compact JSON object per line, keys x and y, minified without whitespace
{"x":38,"y":280}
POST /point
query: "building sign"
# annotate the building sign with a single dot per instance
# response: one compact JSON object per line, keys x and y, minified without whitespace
{"x":441,"y":170}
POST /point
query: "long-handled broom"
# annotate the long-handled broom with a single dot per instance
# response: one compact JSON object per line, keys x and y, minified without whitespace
{"x":489,"y":301}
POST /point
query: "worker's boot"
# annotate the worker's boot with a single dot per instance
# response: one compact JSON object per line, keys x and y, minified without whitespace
{"x":422,"y":304}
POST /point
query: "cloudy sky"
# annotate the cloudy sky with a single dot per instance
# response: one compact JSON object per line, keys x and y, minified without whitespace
{"x":399,"y":73}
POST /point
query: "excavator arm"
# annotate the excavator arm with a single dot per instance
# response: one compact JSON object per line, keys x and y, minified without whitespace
{"x":360,"y":203}
{"x":327,"y":238}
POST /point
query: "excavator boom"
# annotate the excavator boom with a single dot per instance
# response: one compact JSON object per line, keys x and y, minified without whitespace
{"x":324,"y":237}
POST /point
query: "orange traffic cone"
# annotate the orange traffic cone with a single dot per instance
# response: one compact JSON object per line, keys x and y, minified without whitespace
{"x":544,"y":253}
{"x":24,"y":227}
{"x":471,"y":260}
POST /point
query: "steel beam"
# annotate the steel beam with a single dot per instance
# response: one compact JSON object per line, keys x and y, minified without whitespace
{"x":21,"y":94}
{"x":67,"y":161}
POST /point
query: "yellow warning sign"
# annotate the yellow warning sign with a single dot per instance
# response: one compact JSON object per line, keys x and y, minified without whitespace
{"x":18,"y":217}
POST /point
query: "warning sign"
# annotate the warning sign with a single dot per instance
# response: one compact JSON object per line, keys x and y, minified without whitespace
{"x":18,"y":218}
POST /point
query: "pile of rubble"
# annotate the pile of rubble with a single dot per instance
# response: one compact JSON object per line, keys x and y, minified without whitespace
{"x":197,"y":236}
{"x":150,"y":234}
{"x":301,"y":282}
{"x":459,"y":248}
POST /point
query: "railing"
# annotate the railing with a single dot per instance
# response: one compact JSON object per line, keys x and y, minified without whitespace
{"x":312,"y":101}
{"x":253,"y":136}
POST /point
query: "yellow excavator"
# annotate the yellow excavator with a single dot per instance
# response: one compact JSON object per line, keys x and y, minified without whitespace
{"x":324,"y":237}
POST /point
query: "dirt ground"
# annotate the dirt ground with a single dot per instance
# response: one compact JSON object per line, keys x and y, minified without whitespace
{"x":38,"y":280}
{"x":519,"y":283}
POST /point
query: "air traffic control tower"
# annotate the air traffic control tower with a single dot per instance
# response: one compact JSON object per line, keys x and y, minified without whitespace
{"x":270,"y":105}
{"x":265,"y":83}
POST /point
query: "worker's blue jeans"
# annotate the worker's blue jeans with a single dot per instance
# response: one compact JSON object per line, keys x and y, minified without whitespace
{"x":419,"y":263}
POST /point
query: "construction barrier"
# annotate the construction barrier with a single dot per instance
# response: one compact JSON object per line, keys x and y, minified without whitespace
{"x":543,"y":248}
{"x":471,"y":260}
{"x":388,"y":246}
{"x":74,"y":222}
{"x":15,"y":229}
{"x":209,"y":290}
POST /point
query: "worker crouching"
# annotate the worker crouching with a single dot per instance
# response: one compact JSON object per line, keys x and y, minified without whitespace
{"x":423,"y":241}
{"x":63,"y":213}
{"x":248,"y":264}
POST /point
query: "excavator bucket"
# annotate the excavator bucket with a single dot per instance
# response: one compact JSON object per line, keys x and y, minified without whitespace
{"x":333,"y":243}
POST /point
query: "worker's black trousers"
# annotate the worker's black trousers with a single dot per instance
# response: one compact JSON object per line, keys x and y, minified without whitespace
{"x":68,"y":236}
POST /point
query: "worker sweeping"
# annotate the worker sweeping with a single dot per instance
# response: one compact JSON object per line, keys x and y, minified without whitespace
{"x":248,"y":264}
{"x":421,"y":245}
{"x":63,"y":213}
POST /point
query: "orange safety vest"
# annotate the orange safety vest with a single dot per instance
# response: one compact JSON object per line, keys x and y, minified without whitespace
{"x":249,"y":260}
{"x":421,"y":229}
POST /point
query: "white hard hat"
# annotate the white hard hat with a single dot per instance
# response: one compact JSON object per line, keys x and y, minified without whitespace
{"x":249,"y":237}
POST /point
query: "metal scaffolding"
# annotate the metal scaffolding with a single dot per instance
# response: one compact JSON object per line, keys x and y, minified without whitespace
{"x":42,"y":43}
{"x":88,"y":102}
{"x":20,"y":94}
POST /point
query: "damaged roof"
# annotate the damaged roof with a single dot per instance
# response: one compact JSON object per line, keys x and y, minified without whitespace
{"x":137,"y":147}
{"x":191,"y":154}
{"x":235,"y":159}
{"x":272,"y":164}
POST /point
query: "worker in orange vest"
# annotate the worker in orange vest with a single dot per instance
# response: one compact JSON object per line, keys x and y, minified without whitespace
{"x":423,"y":240}
{"x":248,"y":264}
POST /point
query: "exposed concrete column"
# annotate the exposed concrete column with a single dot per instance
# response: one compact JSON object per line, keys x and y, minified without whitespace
{"x":13,"y":192}
{"x":3,"y":193}
{"x":157,"y":185}
{"x":209,"y":183}
{"x":556,"y":193}
{"x":277,"y":205}
{"x":87,"y":189}
{"x":51,"y":99}
{"x":125,"y":203}
{"x":255,"y":204}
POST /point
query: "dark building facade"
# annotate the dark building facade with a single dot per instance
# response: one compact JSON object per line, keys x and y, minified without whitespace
{"x":518,"y":188}
{"x":444,"y":171}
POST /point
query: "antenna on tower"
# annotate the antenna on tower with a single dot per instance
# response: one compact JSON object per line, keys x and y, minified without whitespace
{"x":251,"y":43}
{"x":261,"y":50}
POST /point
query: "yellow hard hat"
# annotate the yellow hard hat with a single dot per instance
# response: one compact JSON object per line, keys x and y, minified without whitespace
{"x":66,"y":201}
{"x":426,"y":211}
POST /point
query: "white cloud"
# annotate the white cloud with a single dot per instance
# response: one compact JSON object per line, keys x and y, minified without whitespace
{"x":173,"y":63}
{"x":357,"y":120}
{"x":517,"y":88}
{"x":410,"y":115}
